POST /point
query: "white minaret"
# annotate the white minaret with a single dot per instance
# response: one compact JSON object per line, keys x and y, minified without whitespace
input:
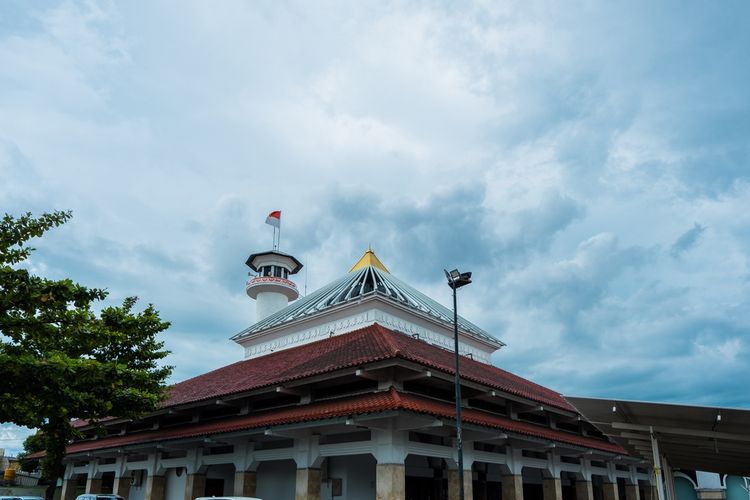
{"x":271,"y":288}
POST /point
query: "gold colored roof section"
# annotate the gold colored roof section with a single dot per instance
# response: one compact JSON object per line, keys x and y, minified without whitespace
{"x":369,"y":259}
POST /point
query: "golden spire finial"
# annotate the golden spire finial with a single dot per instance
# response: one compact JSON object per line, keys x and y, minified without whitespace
{"x":369,"y":259}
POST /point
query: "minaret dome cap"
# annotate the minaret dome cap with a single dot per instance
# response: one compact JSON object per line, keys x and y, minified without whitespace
{"x":256,"y":260}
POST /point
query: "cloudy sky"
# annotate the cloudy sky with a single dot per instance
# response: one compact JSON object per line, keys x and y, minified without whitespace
{"x":588,"y":161}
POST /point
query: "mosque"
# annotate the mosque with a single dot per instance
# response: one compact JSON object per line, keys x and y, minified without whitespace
{"x":348,"y":393}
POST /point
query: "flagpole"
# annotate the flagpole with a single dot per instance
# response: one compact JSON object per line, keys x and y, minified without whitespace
{"x":278,"y":240}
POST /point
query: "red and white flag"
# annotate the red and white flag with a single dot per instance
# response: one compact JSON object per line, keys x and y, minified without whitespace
{"x":274,"y":218}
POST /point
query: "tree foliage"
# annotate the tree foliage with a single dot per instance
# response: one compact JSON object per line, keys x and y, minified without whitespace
{"x":59,"y":358}
{"x":32,"y":444}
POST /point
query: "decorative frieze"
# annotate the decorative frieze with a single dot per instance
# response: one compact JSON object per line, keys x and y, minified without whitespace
{"x":356,"y":321}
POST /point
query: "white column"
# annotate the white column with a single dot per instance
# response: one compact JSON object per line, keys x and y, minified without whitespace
{"x":390,"y":471}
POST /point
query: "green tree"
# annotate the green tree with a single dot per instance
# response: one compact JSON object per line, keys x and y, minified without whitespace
{"x":32,"y":444}
{"x":59,"y":359}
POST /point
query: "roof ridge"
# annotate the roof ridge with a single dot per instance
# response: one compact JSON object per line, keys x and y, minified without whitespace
{"x":395,"y":395}
{"x":535,"y":391}
{"x":387,"y":336}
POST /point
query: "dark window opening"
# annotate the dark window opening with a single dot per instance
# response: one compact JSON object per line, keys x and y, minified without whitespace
{"x":276,"y":444}
{"x":483,"y":404}
{"x":533,"y":417}
{"x":568,"y":427}
{"x":356,"y":386}
{"x":345,"y":437}
{"x":219,"y":450}
{"x":275,"y":401}
{"x":429,"y":390}
{"x":490,"y":447}
{"x":421,"y":437}
{"x":172,"y":420}
{"x":219,"y":412}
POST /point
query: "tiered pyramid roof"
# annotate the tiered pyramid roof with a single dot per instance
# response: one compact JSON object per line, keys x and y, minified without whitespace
{"x":367,"y":278}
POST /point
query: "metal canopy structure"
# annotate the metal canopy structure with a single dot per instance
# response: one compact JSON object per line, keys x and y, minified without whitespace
{"x":702,"y":438}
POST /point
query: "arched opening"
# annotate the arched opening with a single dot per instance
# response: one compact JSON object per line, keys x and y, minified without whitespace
{"x":219,"y":480}
{"x":568,"y":485}
{"x":533,"y":483}
{"x":276,"y":479}
{"x":426,"y":478}
{"x":351,"y":476}
{"x":108,"y":482}
{"x":488,"y":481}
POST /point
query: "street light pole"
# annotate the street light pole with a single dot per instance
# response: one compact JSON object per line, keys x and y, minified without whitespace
{"x":456,"y":280}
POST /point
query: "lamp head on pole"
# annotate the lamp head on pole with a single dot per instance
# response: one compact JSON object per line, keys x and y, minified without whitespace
{"x":457,"y":279}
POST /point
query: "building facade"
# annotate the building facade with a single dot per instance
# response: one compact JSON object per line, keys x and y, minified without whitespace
{"x":348,"y":393}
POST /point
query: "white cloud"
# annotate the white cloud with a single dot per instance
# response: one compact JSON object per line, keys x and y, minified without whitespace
{"x":558,"y":151}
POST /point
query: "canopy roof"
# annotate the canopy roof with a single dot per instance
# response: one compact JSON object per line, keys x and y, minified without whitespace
{"x":368,"y":277}
{"x":710,"y":439}
{"x":363,"y":404}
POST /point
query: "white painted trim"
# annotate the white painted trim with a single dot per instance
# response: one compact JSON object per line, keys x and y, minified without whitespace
{"x":355,"y":318}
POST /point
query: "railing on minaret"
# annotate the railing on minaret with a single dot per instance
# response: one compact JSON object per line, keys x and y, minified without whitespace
{"x":271,"y":288}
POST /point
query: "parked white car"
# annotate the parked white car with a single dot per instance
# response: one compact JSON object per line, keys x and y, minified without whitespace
{"x":98,"y":496}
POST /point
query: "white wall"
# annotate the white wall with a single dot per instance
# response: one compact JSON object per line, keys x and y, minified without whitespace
{"x":357,"y":473}
{"x":175,"y":485}
{"x":276,"y":480}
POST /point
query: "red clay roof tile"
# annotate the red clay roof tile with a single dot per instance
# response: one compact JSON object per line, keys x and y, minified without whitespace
{"x":356,"y":405}
{"x":367,"y":345}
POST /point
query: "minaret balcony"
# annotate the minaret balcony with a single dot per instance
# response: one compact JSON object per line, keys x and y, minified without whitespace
{"x":271,"y":284}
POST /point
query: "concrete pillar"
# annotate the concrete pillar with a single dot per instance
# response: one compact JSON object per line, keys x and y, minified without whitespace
{"x":390,"y":482}
{"x":609,"y":491}
{"x":121,"y":486}
{"x":69,"y":489}
{"x":584,"y":490}
{"x":244,"y":483}
{"x":453,"y":489}
{"x":195,"y":486}
{"x":512,"y":487}
{"x":155,"y":488}
{"x":631,"y":492}
{"x":308,"y":484}
{"x":93,"y":485}
{"x":711,"y":494}
{"x":468,"y":485}
{"x":552,"y":489}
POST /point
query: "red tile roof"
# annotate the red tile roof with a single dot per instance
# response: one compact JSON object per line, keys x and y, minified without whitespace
{"x":367,"y":345}
{"x":346,"y":407}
